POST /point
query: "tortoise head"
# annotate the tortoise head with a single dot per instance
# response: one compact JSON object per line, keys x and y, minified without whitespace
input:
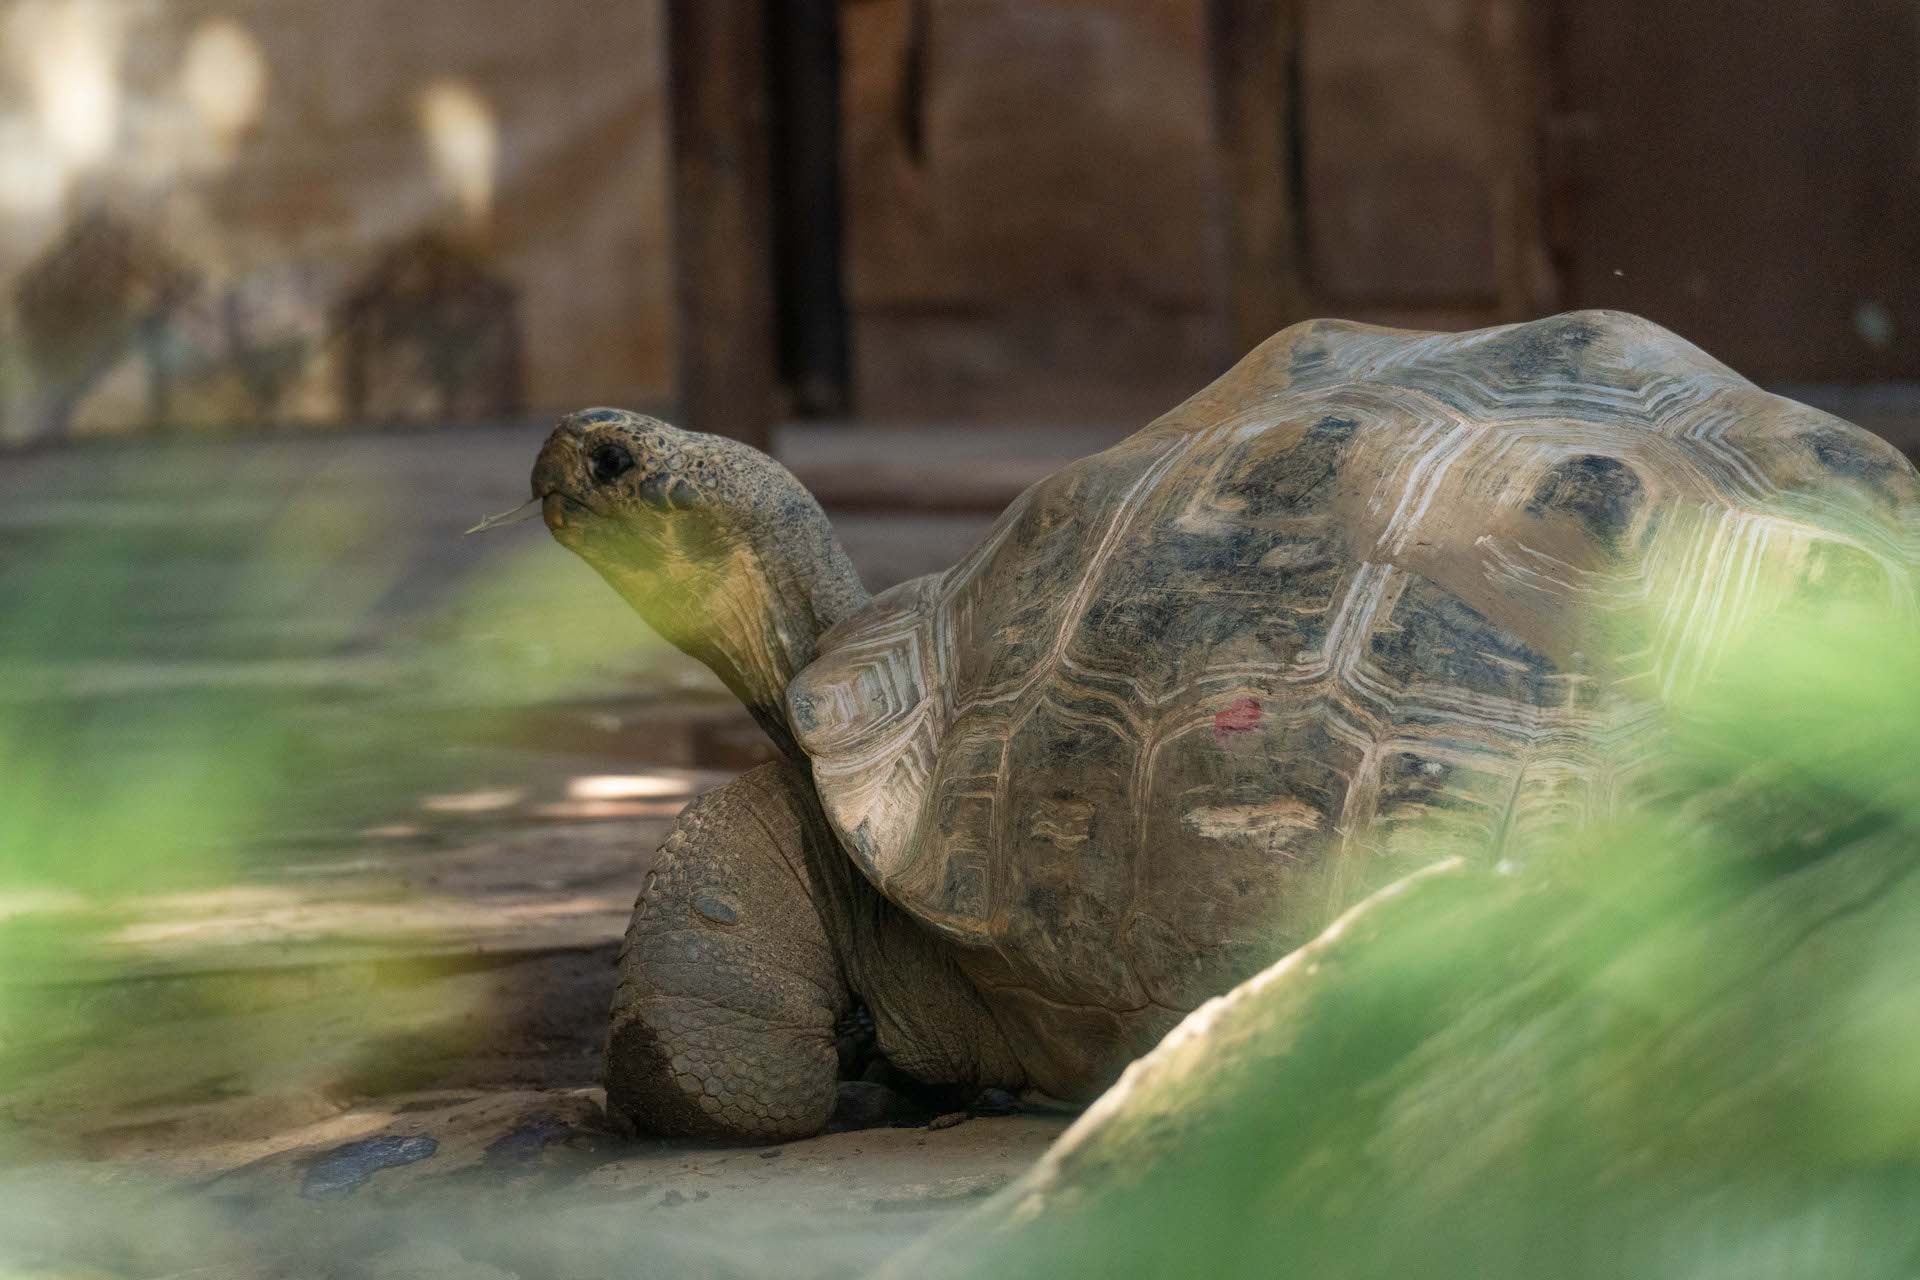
{"x":714,"y":543}
{"x":646,"y":503}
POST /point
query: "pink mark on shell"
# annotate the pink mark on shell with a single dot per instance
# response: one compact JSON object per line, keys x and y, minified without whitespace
{"x":1242,"y":716}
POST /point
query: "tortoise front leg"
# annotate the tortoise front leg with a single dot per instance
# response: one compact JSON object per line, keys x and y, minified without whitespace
{"x":730,"y":985}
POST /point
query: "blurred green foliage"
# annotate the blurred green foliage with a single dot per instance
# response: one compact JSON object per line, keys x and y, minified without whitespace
{"x":214,"y":662}
{"x":1685,"y":1044}
{"x":106,"y":793}
{"x":234,"y":662}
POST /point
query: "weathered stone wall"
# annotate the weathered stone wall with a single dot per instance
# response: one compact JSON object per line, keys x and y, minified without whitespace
{"x":311,"y":212}
{"x":1031,"y":200}
{"x":314,"y":211}
{"x":1418,"y":131}
{"x":1036,"y":190}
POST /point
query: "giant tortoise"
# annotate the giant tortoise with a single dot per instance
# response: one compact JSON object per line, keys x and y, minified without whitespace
{"x":1371,"y":599}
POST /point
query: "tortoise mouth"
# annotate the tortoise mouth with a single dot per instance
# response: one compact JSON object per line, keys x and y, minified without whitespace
{"x":557,"y":477}
{"x":559,"y":511}
{"x":604,"y":537}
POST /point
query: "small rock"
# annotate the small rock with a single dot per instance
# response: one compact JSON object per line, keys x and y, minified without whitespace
{"x":346,"y":1169}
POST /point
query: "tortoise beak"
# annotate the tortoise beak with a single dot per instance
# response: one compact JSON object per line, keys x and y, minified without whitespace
{"x":557,"y":473}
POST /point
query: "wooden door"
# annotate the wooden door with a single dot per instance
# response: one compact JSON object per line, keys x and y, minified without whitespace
{"x":1748,"y":173}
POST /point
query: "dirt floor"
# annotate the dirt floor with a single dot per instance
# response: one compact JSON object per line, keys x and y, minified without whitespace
{"x":424,"y":1111}
{"x":354,"y":1028}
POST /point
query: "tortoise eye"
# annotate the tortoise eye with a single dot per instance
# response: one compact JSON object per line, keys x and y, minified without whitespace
{"x":608,"y":463}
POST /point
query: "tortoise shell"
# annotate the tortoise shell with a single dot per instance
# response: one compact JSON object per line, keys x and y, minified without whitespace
{"x":1371,"y":598}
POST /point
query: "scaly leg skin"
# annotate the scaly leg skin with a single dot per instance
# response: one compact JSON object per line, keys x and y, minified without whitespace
{"x":753,"y":939}
{"x":730,"y":985}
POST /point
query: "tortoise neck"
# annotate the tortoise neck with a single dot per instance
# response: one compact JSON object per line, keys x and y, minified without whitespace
{"x":782,"y":582}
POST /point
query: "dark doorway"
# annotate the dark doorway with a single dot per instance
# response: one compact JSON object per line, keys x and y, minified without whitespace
{"x":1746,"y":172}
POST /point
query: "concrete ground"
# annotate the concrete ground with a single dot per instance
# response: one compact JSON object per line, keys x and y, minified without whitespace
{"x":326,"y":824}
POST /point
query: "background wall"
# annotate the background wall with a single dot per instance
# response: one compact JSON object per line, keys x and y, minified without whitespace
{"x":219,"y":215}
{"x":308,"y":213}
{"x":1032,"y":204}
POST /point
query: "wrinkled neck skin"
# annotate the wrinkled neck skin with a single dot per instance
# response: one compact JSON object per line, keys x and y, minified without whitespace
{"x":747,"y":588}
